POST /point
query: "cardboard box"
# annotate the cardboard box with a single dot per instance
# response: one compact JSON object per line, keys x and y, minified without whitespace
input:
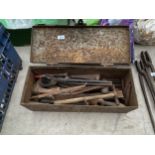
{"x":84,"y":50}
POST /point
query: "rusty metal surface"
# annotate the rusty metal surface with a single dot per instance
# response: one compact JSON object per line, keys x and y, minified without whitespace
{"x":54,"y":45}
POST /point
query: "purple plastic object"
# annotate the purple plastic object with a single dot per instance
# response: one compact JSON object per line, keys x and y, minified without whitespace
{"x":122,"y":22}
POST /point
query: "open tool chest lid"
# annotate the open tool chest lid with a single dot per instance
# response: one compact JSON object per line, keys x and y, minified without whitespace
{"x":81,"y":44}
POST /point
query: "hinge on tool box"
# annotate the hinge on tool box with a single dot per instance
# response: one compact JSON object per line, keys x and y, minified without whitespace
{"x":74,"y":64}
{"x":116,"y":65}
{"x":107,"y":65}
{"x":122,"y":65}
{"x":83,"y":64}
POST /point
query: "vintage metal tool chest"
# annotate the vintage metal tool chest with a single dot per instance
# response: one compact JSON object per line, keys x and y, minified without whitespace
{"x":84,"y":50}
{"x":10,"y":64}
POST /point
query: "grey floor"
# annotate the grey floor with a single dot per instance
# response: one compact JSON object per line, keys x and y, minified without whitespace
{"x":20,"y":120}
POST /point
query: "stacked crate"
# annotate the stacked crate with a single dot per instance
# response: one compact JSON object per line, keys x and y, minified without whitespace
{"x":10,"y":64}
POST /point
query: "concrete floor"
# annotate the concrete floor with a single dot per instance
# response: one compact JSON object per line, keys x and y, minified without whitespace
{"x":20,"y":120}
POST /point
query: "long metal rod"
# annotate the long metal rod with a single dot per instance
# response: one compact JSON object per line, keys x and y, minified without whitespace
{"x":145,"y":67}
{"x":150,"y":87}
{"x":147,"y":102}
{"x":145,"y":96}
{"x":148,"y":65}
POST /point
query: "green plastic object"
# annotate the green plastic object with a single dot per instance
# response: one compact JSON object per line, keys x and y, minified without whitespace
{"x":4,"y":22}
{"x":20,"y":29}
{"x":28,"y":23}
{"x":50,"y":21}
{"x":92,"y":22}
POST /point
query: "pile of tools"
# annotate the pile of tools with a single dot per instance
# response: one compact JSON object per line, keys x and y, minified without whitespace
{"x":146,"y":73}
{"x":64,"y":89}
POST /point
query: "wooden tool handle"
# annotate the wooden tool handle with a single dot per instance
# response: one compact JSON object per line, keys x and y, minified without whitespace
{"x":85,"y":98}
{"x":58,"y":90}
{"x":87,"y":89}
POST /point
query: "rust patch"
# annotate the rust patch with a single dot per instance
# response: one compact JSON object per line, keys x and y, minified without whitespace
{"x":80,"y":45}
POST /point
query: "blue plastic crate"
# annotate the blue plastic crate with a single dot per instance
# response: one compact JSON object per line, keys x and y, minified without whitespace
{"x":10,"y":64}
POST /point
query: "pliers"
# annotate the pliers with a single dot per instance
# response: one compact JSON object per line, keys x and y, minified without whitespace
{"x":145,"y":57}
{"x":141,"y":74}
{"x":142,"y":70}
{"x":148,"y":67}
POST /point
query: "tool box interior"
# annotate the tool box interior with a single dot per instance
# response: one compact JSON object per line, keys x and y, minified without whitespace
{"x":87,"y":69}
